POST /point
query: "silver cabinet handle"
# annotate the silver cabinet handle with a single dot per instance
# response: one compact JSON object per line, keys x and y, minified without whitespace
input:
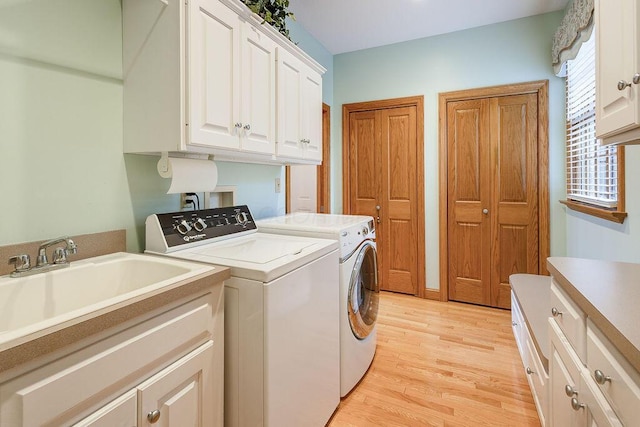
{"x":238,"y":125}
{"x":530,"y":371}
{"x":570,"y":391}
{"x":636,"y":78}
{"x":576,"y":405}
{"x":555,"y":312}
{"x":514,"y":323}
{"x":485,"y":211}
{"x":623,"y":84}
{"x":247,"y":127}
{"x":153,"y":416}
{"x":600,"y":377}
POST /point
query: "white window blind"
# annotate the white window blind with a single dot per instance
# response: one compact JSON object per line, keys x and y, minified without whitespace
{"x":592,"y":170}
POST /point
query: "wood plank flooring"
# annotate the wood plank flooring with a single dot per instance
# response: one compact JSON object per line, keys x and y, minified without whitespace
{"x":440,"y":364}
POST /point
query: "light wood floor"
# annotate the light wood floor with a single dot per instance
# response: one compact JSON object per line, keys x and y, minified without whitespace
{"x":440,"y":364}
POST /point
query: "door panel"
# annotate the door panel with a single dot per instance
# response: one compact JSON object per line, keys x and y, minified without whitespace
{"x":365,"y":155}
{"x":514,"y":126}
{"x":468,"y":194}
{"x":398,"y":211}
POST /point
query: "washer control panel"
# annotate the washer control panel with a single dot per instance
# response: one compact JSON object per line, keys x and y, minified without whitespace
{"x":180,"y":228}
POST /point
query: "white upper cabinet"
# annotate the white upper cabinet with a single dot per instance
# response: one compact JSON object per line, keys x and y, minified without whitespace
{"x":617,"y":70}
{"x":201,"y":78}
{"x":299,"y":110}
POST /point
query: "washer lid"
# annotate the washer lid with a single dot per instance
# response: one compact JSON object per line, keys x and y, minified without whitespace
{"x":261,"y":256}
{"x":322,"y":223}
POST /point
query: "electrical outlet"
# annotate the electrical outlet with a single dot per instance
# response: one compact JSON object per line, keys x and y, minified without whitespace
{"x":278,"y":187}
{"x":184,"y":204}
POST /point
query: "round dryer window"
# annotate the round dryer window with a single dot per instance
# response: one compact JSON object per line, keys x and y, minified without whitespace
{"x":363,"y":292}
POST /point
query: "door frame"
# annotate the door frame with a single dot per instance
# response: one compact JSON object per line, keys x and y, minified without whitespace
{"x":541,"y":88}
{"x":323,"y":171}
{"x":411,"y":101}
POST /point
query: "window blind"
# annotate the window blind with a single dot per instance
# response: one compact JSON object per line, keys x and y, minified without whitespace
{"x":592,"y":170}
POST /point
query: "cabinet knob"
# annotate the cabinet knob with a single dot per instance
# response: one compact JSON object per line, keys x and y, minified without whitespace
{"x":530,"y":371}
{"x":555,"y":312}
{"x":623,"y":84}
{"x":514,"y":323}
{"x":636,"y":78}
{"x":153,"y":416}
{"x":600,"y":377}
{"x":570,"y":391}
{"x":576,"y":405}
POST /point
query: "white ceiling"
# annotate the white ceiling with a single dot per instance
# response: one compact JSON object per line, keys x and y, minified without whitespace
{"x":348,"y":25}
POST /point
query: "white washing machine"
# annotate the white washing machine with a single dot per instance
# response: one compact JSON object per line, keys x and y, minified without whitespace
{"x":282,"y":337}
{"x":359,"y":290}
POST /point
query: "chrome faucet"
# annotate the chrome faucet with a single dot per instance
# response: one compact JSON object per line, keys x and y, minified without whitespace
{"x":23,"y":263}
{"x":59,"y":254}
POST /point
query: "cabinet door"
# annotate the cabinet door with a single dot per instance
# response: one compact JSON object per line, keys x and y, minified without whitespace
{"x":122,"y":412}
{"x":312,"y":116}
{"x":258,"y":88}
{"x":617,"y":59}
{"x":181,"y":393}
{"x":214,"y":70}
{"x":290,"y":72}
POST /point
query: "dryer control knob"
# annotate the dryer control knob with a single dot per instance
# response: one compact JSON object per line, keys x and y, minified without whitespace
{"x":365,"y":231}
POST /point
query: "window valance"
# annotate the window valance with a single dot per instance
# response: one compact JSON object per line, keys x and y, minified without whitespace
{"x":576,"y":27}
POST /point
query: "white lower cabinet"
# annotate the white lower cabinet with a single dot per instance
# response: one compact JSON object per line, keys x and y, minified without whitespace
{"x":165,"y":369}
{"x":574,"y":396}
{"x":180,"y":395}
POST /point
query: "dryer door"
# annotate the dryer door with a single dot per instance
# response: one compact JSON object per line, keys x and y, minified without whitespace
{"x":362,"y":303}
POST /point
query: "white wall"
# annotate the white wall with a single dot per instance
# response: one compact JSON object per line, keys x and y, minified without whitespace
{"x":514,"y":51}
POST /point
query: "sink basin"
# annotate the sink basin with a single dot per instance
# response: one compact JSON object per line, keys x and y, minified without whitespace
{"x":32,"y":303}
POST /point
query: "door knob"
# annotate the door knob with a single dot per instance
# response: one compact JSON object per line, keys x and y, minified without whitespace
{"x":485,"y":211}
{"x":378,"y":216}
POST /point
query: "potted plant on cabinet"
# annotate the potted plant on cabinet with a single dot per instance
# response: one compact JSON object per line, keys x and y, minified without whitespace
{"x":274,"y":12}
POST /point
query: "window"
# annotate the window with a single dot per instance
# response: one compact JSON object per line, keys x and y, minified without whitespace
{"x":594,"y":172}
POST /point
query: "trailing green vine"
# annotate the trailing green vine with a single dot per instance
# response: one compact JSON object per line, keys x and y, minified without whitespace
{"x":274,"y":12}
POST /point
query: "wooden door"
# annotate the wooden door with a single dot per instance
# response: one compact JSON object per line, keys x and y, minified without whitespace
{"x":492,"y":177}
{"x":384,"y":181}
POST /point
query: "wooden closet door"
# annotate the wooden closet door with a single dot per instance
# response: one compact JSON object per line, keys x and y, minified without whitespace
{"x":469,"y":194}
{"x":492,"y":196}
{"x":514,"y":141}
{"x":383,"y":184}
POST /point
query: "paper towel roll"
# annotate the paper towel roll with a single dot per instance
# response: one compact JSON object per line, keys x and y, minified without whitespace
{"x":188,"y":175}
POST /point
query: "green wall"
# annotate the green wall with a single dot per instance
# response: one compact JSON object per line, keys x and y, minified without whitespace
{"x":514,"y":51}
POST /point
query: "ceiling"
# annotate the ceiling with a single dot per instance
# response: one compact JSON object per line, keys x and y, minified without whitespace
{"x":347,"y":25}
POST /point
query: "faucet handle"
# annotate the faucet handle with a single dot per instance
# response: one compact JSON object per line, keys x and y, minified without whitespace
{"x":22,"y":262}
{"x":71,"y":248}
{"x":60,"y":256}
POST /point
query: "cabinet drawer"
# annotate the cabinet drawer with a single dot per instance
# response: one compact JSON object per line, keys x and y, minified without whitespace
{"x":536,"y":376}
{"x":61,"y":391}
{"x":121,"y":412}
{"x":619,"y":381}
{"x":517,"y":323}
{"x":570,"y":318}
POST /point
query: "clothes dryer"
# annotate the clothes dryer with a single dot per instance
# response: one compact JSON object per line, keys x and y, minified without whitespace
{"x":282,"y":338}
{"x":359,"y":290}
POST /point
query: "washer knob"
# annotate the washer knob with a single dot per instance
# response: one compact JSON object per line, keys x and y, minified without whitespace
{"x":183,"y":227}
{"x":241,"y":218}
{"x":199,"y":224}
{"x":365,"y":231}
